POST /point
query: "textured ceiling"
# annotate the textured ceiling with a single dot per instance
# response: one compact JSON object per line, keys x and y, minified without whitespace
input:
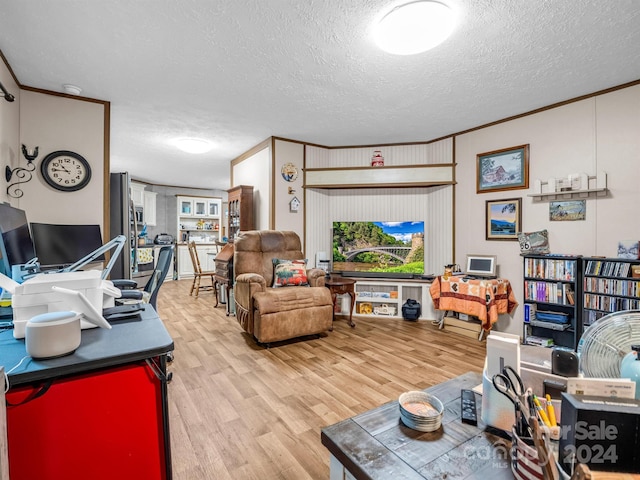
{"x":237,"y":72}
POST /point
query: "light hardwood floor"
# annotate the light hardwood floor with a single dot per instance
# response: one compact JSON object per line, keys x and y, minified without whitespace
{"x":240,"y":411}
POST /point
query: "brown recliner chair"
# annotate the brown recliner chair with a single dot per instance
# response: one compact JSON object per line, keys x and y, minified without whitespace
{"x":274,"y":314}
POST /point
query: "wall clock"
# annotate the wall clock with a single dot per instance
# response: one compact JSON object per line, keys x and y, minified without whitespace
{"x":65,"y":171}
{"x":289,"y":172}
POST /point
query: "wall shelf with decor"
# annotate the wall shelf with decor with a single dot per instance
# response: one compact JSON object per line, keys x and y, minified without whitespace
{"x":609,"y":287}
{"x":577,"y":185}
{"x":553,"y":299}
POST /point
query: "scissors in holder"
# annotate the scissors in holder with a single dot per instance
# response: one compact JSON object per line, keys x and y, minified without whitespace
{"x":510,"y":385}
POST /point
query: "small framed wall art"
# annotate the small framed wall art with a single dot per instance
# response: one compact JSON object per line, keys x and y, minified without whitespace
{"x":504,"y":219}
{"x":506,"y":169}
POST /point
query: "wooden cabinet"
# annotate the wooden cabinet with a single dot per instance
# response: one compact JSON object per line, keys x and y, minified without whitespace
{"x":609,"y":287}
{"x":224,"y":274}
{"x":553,"y":298}
{"x":240,"y":210}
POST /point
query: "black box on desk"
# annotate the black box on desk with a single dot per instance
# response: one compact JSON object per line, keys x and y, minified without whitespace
{"x":602,"y":432}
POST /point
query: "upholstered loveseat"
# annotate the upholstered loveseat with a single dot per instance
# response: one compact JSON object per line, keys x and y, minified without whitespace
{"x":271,"y":313}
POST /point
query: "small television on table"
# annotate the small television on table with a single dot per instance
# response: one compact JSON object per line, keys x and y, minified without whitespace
{"x":481,"y":266}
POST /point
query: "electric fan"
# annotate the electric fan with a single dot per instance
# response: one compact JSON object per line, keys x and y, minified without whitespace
{"x":605,"y":343}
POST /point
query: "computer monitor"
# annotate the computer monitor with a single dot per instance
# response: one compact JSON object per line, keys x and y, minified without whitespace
{"x":16,"y":247}
{"x":481,"y":265}
{"x":60,"y":245}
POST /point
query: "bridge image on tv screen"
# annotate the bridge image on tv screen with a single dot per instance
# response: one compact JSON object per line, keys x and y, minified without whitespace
{"x":385,"y":247}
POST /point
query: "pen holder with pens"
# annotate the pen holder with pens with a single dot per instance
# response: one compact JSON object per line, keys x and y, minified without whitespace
{"x":497,"y":410}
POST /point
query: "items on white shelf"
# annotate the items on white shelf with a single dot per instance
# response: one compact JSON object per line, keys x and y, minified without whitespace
{"x":573,"y":183}
{"x":377,"y":160}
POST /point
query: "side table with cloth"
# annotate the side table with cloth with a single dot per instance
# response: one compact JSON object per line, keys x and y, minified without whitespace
{"x":482,"y":298}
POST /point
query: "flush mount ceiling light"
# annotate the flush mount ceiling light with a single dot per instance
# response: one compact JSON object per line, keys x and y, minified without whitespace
{"x":414,"y":27}
{"x":193,"y":145}
{"x":71,"y":89}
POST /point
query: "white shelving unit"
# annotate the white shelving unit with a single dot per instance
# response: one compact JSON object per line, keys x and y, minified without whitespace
{"x":199,"y":219}
{"x":384,"y":298}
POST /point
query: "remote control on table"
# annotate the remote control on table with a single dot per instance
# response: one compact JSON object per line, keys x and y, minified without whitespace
{"x":468,"y":407}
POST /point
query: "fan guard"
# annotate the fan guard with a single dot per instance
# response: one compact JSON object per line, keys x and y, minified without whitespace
{"x":604,"y":344}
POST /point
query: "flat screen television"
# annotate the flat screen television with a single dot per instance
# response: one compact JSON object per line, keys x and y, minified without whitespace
{"x":60,"y":245}
{"x":16,"y":247}
{"x":481,"y":266}
{"x":378,"y":249}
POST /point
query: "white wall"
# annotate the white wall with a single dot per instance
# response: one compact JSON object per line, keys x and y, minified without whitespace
{"x":599,"y":133}
{"x":288,"y":152}
{"x":60,"y":123}
{"x":53,"y":122}
{"x":9,"y":130}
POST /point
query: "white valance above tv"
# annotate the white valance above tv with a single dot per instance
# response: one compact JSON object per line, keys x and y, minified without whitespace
{"x":367,"y":177}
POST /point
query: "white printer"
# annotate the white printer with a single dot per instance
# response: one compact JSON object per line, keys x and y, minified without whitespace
{"x":35,"y":296}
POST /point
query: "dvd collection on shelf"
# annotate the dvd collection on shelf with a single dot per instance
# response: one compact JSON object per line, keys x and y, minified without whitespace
{"x":578,"y":291}
{"x":552,"y":287}
{"x":609,"y":286}
{"x":607,"y":268}
{"x":550,"y":268}
{"x":561,"y":293}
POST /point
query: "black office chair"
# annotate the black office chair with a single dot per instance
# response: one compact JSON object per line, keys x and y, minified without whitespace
{"x":149,"y":293}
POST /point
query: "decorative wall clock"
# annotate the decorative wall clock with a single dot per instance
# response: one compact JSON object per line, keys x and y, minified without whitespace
{"x":66,"y":171}
{"x":289,"y":172}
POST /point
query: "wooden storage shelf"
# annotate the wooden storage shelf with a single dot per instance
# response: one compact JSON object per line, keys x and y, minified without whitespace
{"x":240,"y":210}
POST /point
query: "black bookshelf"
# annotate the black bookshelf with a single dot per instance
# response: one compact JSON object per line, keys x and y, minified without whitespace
{"x":553,"y":299}
{"x":608,"y":287}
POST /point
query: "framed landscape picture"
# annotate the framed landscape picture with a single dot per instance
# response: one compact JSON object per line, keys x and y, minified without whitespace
{"x":506,"y":169}
{"x":504,"y":219}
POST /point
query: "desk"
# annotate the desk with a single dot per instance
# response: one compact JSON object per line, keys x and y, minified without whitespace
{"x":484,"y":299}
{"x":101,"y":412}
{"x":342,"y":286}
{"x":376,"y":445}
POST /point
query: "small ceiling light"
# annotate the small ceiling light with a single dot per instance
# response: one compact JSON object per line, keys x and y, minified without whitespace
{"x":414,"y":27}
{"x":193,"y":145}
{"x":71,"y":89}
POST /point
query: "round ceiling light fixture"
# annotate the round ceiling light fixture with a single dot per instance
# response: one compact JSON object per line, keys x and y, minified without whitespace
{"x":71,"y":89}
{"x":414,"y":27}
{"x":193,"y":145}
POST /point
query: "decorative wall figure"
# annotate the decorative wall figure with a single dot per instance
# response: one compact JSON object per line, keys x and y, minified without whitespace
{"x":23,"y":174}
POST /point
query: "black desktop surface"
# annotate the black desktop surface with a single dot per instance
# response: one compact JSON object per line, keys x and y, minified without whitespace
{"x":99,"y":348}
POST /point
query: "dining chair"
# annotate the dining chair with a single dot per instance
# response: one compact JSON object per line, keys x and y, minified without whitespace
{"x":198,"y":273}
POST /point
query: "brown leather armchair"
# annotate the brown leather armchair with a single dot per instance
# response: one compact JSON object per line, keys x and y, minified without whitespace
{"x":274,"y":314}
